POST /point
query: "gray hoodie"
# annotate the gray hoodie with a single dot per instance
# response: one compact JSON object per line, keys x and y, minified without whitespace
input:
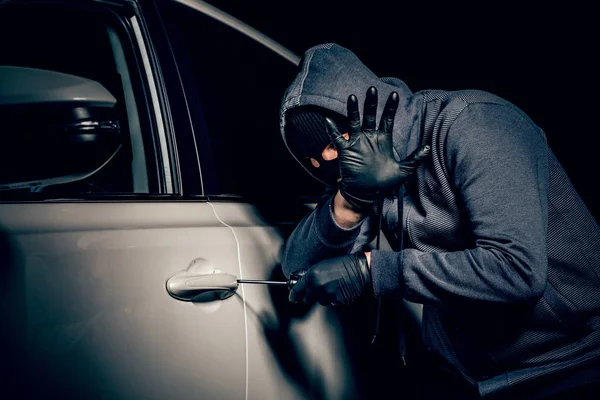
{"x":499,"y":248}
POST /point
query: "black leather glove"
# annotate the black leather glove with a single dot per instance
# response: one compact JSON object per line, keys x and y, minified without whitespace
{"x":337,"y":280}
{"x":366,"y":159}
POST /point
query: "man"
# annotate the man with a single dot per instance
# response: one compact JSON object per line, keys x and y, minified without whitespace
{"x":494,"y":240}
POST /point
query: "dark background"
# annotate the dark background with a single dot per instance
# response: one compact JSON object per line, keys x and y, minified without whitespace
{"x":544,"y":60}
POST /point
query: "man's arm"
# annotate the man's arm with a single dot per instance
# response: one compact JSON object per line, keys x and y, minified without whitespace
{"x":330,"y":230}
{"x":497,"y":162}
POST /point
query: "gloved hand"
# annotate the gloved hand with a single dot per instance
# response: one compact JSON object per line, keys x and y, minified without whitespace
{"x":337,"y":280}
{"x":366,"y":159}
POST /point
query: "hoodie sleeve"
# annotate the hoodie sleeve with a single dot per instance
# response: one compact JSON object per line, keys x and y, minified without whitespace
{"x":497,"y":162}
{"x":317,"y":237}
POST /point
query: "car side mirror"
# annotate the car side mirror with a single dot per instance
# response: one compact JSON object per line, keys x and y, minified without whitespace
{"x":54,"y":127}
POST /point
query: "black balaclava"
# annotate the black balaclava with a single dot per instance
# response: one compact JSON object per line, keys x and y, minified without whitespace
{"x":307,"y":137}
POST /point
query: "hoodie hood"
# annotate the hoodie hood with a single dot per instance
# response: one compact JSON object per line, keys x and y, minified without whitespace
{"x":330,"y":73}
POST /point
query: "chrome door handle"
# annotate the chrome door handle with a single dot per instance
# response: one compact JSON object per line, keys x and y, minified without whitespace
{"x":197,"y":287}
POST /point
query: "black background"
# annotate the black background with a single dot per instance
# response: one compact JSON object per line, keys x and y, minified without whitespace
{"x":544,"y":60}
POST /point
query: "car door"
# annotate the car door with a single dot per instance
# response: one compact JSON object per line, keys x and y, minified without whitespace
{"x":234,"y":81}
{"x":85,"y":310}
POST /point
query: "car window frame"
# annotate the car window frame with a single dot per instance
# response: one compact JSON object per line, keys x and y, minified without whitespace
{"x":180,"y":131}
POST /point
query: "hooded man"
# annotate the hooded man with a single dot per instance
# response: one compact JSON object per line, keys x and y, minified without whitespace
{"x":494,"y":240}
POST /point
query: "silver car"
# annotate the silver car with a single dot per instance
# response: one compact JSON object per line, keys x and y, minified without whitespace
{"x":141,"y":175}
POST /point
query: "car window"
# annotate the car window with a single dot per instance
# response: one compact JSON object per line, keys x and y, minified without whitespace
{"x":88,"y":42}
{"x":234,"y":87}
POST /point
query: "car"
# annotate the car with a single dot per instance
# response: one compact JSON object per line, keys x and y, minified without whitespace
{"x":142,"y":174}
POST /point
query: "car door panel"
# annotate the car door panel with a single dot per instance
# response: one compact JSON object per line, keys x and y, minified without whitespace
{"x":294,"y":351}
{"x":98,"y":319}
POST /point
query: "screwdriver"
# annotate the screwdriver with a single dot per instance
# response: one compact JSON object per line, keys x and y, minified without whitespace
{"x":289,"y":283}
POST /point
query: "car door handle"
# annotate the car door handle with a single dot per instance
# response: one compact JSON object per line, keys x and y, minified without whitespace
{"x":192,"y":286}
